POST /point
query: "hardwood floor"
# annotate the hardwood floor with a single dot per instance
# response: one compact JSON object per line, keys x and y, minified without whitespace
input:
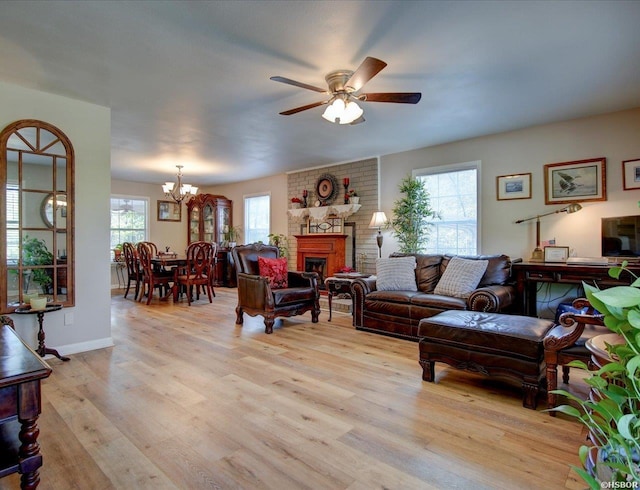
{"x":188,"y":400}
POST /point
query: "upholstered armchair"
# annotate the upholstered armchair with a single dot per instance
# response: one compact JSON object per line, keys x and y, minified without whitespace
{"x":260,"y":295}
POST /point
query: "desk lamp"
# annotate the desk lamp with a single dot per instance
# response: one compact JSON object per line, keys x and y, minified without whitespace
{"x":378,"y":220}
{"x":538,"y":254}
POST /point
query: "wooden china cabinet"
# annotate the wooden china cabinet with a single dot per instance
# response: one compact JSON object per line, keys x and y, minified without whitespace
{"x":209,"y":216}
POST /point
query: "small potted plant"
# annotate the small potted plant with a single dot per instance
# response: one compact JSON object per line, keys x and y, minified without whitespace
{"x":353,"y":197}
{"x":117,"y":252}
{"x":231,"y":235}
{"x":35,"y":252}
{"x":296,"y":203}
{"x":280,"y":241}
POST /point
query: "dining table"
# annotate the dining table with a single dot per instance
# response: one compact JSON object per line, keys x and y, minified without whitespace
{"x":173,"y":262}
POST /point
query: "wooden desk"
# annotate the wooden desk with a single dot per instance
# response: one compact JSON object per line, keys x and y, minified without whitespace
{"x":529,"y":274}
{"x":21,"y":370}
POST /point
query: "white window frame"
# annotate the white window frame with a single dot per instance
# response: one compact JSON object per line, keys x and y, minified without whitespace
{"x":147,"y":219}
{"x":246,"y":217}
{"x":457,"y":167}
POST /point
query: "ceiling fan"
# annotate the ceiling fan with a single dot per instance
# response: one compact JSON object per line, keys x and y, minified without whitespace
{"x":344,"y":87}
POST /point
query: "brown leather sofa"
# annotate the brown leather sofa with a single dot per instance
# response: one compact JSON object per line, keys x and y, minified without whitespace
{"x":398,"y":313}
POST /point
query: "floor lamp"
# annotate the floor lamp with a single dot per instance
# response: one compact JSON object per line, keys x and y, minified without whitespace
{"x":378,"y":220}
{"x":538,"y":254}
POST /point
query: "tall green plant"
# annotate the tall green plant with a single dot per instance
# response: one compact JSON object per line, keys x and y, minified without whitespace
{"x":613,"y":416}
{"x":412,"y":215}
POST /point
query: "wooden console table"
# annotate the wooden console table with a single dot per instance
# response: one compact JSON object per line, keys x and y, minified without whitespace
{"x":20,"y":373}
{"x":529,"y":274}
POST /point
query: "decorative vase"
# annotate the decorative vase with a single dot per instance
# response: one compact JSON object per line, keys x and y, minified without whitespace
{"x":354,"y":200}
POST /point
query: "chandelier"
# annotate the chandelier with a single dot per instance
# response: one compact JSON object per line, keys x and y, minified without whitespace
{"x":181,"y":191}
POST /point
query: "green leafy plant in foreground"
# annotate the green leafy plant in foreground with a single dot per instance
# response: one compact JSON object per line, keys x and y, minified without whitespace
{"x":612,"y":416}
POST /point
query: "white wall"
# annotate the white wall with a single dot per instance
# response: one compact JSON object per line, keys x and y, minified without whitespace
{"x":614,"y":136}
{"x":88,"y":128}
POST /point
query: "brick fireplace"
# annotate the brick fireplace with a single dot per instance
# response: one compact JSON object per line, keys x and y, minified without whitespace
{"x":321,"y":253}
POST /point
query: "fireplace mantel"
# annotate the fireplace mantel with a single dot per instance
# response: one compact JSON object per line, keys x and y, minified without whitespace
{"x":329,"y":246}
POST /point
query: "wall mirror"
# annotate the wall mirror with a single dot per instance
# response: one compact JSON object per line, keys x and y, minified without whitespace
{"x":36,"y":242}
{"x":54,"y":213}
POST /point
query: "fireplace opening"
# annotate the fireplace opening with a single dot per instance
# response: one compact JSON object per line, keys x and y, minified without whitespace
{"x":316,"y":264}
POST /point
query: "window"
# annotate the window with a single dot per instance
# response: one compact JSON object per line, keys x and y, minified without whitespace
{"x":257,"y":218}
{"x":454,"y":194}
{"x":129,"y":219}
{"x":13,"y":221}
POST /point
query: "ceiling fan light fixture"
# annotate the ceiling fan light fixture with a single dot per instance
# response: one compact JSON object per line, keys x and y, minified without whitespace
{"x":340,"y":112}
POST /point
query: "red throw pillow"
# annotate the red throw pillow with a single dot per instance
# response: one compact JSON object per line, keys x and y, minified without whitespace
{"x":275,"y":270}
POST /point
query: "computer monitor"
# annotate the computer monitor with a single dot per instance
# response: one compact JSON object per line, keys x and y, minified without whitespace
{"x":621,"y":236}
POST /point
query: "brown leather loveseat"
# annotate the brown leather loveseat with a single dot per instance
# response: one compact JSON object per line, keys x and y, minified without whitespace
{"x":398,"y":313}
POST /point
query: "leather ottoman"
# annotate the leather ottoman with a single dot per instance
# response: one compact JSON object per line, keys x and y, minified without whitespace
{"x":489,"y":343}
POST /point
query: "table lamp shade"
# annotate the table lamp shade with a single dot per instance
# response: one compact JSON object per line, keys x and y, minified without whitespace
{"x":378,"y":220}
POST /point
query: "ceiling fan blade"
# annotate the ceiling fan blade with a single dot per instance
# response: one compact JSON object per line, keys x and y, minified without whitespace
{"x":369,"y":68}
{"x":396,"y":97}
{"x":288,"y":81}
{"x":303,"y":108}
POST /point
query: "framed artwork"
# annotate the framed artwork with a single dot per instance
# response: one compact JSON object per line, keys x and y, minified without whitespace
{"x":582,"y":180}
{"x":517,"y":186}
{"x":631,"y":174}
{"x":556,"y":254}
{"x":169,"y":211}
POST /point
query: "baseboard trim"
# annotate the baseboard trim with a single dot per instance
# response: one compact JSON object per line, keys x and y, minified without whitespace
{"x":85,"y":346}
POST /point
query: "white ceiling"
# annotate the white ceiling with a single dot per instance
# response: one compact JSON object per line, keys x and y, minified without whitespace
{"x":188,"y":81}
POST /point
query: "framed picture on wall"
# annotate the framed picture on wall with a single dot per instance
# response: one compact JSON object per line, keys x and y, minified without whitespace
{"x":169,"y":211}
{"x":631,"y":174}
{"x":579,"y":181}
{"x":517,"y":186}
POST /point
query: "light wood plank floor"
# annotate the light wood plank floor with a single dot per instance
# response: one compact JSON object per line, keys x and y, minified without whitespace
{"x":188,"y":400}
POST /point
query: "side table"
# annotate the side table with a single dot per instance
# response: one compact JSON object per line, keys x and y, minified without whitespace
{"x":340,"y":286}
{"x":42,"y":349}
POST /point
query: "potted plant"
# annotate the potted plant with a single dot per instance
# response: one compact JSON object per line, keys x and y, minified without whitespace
{"x":231,"y":235}
{"x":280,"y":241}
{"x":613,"y":416}
{"x":353,"y":197}
{"x":35,"y":252}
{"x":411,"y":216}
{"x":117,"y":252}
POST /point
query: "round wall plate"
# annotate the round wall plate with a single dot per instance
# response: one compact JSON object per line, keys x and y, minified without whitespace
{"x":327,"y":189}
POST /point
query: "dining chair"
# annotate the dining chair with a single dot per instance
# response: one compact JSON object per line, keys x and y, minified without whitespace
{"x":151,"y":278}
{"x":134,"y":273}
{"x":198,"y":270}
